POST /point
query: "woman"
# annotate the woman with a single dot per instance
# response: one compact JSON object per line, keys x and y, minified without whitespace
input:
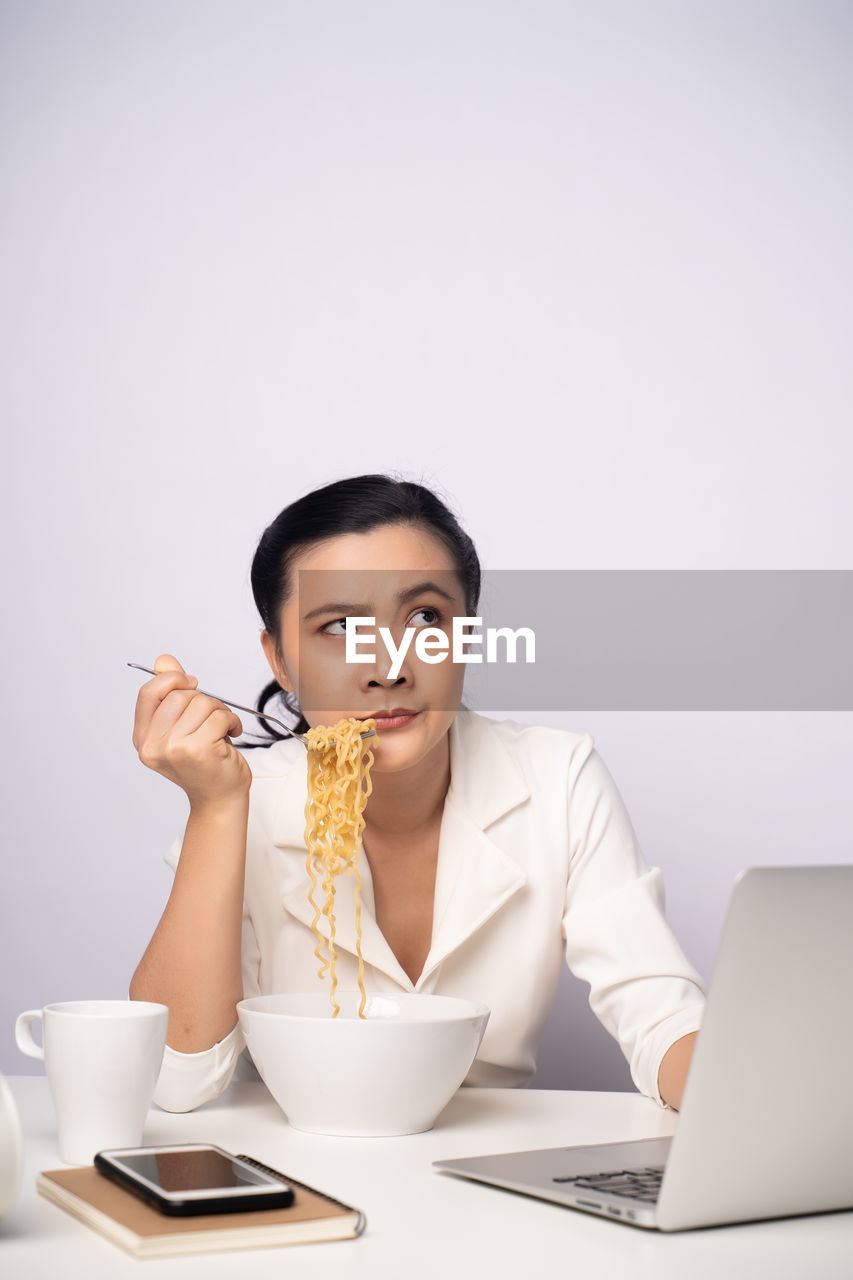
{"x":489,"y":848}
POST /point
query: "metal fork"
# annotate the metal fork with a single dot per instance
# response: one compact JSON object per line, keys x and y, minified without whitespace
{"x":261,"y":715}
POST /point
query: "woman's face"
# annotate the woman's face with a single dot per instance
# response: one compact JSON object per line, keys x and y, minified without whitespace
{"x":404,"y":578}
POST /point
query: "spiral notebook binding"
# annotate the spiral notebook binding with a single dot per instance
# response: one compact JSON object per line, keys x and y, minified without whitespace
{"x":294,"y":1182}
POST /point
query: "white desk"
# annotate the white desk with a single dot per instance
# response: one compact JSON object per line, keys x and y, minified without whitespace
{"x":421,"y":1223}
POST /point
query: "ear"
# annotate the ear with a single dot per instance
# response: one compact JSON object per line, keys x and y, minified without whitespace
{"x":274,"y":659}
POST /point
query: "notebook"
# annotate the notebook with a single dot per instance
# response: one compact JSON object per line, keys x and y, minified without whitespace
{"x":145,"y":1233}
{"x":767,"y":1114}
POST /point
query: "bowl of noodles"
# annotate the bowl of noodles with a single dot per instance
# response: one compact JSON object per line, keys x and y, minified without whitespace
{"x":342,"y":1062}
{"x":387,"y":1072}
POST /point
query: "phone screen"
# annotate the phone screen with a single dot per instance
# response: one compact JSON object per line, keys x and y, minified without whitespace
{"x":202,"y":1169}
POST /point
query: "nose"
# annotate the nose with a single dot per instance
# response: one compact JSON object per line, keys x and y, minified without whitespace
{"x":387,"y":683}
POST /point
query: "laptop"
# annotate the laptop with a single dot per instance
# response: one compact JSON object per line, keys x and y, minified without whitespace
{"x":766,"y":1124}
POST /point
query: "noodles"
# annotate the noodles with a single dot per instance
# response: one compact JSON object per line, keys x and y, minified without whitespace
{"x":338,"y":787}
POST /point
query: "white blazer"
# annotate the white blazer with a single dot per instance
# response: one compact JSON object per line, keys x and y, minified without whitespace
{"x":537,"y":858}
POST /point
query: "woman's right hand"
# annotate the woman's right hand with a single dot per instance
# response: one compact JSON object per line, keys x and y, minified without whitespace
{"x":185,"y":736}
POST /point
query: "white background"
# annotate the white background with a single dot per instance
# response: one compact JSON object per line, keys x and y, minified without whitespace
{"x":582,"y":267}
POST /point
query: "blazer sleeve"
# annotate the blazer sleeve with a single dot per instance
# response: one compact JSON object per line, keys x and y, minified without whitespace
{"x":189,"y":1079}
{"x":642,"y":988}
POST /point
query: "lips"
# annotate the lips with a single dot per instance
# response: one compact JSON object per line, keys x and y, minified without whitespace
{"x":396,"y":718}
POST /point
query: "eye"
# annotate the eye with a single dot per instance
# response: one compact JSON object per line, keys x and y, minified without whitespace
{"x":430,"y":618}
{"x":337,"y":627}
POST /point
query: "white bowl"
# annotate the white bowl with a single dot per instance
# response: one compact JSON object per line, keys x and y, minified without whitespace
{"x":389,"y":1073}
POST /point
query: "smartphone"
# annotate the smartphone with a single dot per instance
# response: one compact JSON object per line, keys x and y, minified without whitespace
{"x":192,"y":1179}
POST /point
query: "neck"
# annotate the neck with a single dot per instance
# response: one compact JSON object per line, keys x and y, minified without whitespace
{"x":412,"y":799}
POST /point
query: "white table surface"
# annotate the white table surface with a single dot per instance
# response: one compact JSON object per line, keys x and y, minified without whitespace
{"x":421,"y":1223}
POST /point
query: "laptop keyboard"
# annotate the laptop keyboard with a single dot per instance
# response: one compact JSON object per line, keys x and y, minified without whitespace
{"x":636,"y":1184}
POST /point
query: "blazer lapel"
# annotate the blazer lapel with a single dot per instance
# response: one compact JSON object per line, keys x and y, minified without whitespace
{"x":475,"y":875}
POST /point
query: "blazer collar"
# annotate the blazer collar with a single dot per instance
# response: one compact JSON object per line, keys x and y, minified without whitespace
{"x":475,"y":875}
{"x":485,"y":780}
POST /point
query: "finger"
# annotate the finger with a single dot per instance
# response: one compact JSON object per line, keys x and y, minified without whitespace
{"x":152,"y":694}
{"x":167,"y":662}
{"x":220,"y":726}
{"x":182,"y":713}
{"x":201,"y":731}
{"x":186,"y":726}
{"x":168,"y":665}
{"x":167,"y":717}
{"x":198,"y":708}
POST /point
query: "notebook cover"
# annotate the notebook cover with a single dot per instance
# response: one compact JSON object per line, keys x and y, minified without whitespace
{"x":143,"y":1231}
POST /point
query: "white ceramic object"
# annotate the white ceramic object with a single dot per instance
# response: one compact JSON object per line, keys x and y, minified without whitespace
{"x":102,"y":1059}
{"x":388,"y":1074}
{"x":11,"y":1150}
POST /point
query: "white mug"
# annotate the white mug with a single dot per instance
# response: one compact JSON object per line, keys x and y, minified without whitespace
{"x":102,"y":1059}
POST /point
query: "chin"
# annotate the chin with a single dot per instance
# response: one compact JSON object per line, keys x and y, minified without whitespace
{"x":394,"y":755}
{"x":402,"y":749}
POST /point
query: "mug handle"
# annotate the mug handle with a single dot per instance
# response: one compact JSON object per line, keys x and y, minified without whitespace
{"x":24,"y":1034}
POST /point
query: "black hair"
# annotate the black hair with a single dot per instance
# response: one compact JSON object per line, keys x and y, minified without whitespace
{"x":354,"y":505}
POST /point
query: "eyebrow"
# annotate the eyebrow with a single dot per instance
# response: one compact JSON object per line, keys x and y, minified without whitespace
{"x":363,"y":610}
